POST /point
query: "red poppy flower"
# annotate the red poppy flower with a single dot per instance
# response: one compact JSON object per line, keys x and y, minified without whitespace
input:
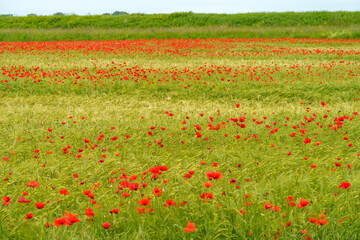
{"x":6,"y":200}
{"x":207,"y":196}
{"x":303,"y":203}
{"x":276,"y":208}
{"x":145,"y":201}
{"x":71,"y":218}
{"x":23,"y":200}
{"x":267,"y":205}
{"x":106,"y":225}
{"x":61,"y":221}
{"x":64,"y":192}
{"x":169,"y":203}
{"x":39,"y":205}
{"x":157,"y":192}
{"x":190,"y":227}
{"x":345,"y":185}
{"x":33,"y":184}
{"x":89,"y":213}
{"x":134,"y":186}
{"x":321,"y":222}
{"x":125,"y":195}
{"x":141,"y":210}
{"x":214,"y":175}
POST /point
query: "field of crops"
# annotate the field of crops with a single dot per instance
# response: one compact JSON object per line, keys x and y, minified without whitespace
{"x":180,"y":139}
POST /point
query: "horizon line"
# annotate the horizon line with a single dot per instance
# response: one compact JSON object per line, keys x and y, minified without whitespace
{"x":158,"y":13}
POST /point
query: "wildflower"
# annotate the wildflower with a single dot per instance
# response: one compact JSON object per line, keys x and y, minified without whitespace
{"x":145,"y":201}
{"x":157,"y":192}
{"x":169,"y":203}
{"x":125,"y":195}
{"x":6,"y":200}
{"x":303,"y":203}
{"x":141,"y":210}
{"x":345,"y":185}
{"x":321,"y":222}
{"x":64,"y":192}
{"x":214,"y":175}
{"x":39,"y":205}
{"x":33,"y":184}
{"x":106,"y":225}
{"x":71,"y":218}
{"x":89,"y":213}
{"x":190,"y":227}
{"x":61,"y":221}
{"x":207,"y":196}
{"x":267,"y":205}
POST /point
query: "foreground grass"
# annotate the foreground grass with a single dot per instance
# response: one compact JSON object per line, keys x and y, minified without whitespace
{"x":56,"y":114}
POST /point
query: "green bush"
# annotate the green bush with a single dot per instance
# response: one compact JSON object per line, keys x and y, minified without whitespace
{"x":184,"y":19}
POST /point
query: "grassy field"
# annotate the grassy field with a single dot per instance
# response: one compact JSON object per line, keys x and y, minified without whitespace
{"x":339,"y":25}
{"x":186,"y":19}
{"x":137,"y":139}
{"x":86,"y":34}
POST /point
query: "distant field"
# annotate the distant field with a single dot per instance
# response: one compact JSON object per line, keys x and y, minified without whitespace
{"x":180,"y":139}
{"x":339,"y":25}
{"x":287,"y":19}
{"x":86,"y":34}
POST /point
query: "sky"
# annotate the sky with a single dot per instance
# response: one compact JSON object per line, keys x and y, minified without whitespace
{"x":93,"y":7}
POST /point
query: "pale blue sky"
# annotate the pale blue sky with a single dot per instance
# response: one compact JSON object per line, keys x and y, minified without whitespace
{"x":84,"y":7}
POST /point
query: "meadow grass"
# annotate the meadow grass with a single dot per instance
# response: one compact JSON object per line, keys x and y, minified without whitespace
{"x":85,"y":34}
{"x":188,"y":25}
{"x":133,"y":90}
{"x":186,"y":19}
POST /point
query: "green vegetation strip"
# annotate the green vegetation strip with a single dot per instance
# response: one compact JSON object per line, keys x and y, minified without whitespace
{"x":340,"y":25}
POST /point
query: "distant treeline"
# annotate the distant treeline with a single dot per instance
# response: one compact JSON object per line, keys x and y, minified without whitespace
{"x":183,"y":19}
